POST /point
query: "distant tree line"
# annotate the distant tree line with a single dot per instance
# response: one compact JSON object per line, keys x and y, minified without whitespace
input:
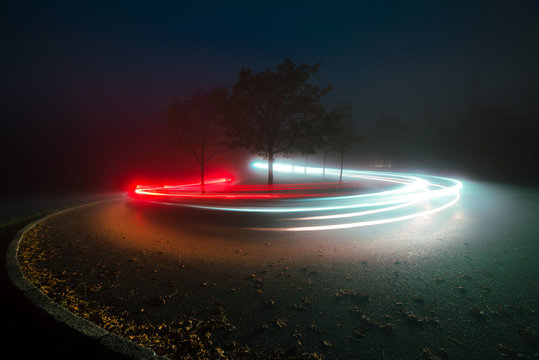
{"x":268,"y":113}
{"x":490,"y":142}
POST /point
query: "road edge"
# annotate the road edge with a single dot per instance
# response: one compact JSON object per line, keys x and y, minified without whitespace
{"x":96,"y":334}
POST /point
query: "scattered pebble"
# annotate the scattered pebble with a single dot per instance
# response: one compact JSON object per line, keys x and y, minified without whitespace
{"x":352,"y":294}
{"x":476,"y":313}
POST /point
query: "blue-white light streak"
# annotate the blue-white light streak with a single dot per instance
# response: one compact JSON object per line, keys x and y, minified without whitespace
{"x":410,"y":196}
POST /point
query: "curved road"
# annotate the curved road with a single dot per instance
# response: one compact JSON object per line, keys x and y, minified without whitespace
{"x":458,"y":280}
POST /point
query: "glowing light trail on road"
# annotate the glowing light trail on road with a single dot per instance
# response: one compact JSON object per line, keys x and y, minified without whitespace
{"x":327,"y":206}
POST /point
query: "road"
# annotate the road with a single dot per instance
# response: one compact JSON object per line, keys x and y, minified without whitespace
{"x":481,"y":255}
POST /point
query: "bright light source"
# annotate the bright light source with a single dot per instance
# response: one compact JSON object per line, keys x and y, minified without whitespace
{"x":326,"y":205}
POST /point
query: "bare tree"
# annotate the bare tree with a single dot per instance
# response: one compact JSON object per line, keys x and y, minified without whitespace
{"x":196,"y":125}
{"x":307,"y":135}
{"x":339,"y":133}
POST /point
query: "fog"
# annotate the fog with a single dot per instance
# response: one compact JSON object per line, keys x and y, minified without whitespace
{"x":85,"y":88}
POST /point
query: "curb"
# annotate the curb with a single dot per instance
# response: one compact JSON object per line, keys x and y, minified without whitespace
{"x":112,"y":342}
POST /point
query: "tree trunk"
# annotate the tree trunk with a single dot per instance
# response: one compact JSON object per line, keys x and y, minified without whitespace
{"x":270,"y":169}
{"x":325,"y":158}
{"x":342,"y":165}
{"x":202,"y":163}
{"x":202,"y":185}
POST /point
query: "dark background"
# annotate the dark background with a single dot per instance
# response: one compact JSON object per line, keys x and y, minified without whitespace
{"x":450,"y":86}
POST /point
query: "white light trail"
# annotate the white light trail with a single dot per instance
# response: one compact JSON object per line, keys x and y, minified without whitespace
{"x":415,"y":196}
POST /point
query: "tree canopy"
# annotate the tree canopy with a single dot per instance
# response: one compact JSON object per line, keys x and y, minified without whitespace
{"x":268,"y":110}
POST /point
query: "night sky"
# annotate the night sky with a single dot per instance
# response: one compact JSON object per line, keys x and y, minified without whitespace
{"x":85,"y":85}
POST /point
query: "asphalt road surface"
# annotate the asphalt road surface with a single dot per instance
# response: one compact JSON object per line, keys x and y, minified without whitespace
{"x":459,"y":282}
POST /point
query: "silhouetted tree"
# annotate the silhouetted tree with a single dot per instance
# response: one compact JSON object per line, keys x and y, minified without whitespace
{"x":339,"y":133}
{"x":326,"y":143}
{"x":308,"y":134}
{"x":490,"y":142}
{"x":267,"y":108}
{"x":196,"y":125}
